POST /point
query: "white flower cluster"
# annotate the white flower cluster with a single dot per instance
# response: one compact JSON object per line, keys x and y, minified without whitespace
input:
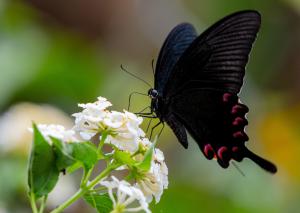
{"x":123,"y":127}
{"x":126,"y":195}
{"x":57,"y":131}
{"x":123,"y":133}
{"x":155,"y":180}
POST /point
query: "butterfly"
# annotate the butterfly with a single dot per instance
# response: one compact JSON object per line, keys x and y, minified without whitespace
{"x":196,"y":86}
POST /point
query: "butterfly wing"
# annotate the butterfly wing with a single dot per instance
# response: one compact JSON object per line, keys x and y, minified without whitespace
{"x":178,"y":40}
{"x":216,"y":121}
{"x":201,"y":91}
{"x":178,"y":129}
{"x":216,"y":60}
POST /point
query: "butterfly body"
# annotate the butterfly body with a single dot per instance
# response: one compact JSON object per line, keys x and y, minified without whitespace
{"x":197,"y":81}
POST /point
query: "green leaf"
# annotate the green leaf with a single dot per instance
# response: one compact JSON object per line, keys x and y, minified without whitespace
{"x":75,"y":154}
{"x":101,"y":202}
{"x":42,"y":171}
{"x":85,"y":152}
{"x":146,"y":163}
{"x":63,"y":152}
{"x":124,"y":158}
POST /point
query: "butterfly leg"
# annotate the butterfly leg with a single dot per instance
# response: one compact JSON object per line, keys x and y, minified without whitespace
{"x":148,"y":107}
{"x":149,"y":123}
{"x":146,"y":116}
{"x":142,"y":113}
{"x":156,"y":125}
{"x":161,"y":129}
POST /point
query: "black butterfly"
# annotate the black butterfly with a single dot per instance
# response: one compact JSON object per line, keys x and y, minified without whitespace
{"x":197,"y":79}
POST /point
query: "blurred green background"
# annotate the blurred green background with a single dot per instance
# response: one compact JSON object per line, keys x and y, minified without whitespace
{"x":55,"y":54}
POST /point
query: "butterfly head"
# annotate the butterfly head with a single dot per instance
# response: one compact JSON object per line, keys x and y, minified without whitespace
{"x":153,"y":93}
{"x":156,"y":102}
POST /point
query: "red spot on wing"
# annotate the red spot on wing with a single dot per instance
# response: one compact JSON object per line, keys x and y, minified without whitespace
{"x":208,"y":151}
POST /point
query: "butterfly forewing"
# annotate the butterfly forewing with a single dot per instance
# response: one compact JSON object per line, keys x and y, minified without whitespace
{"x":178,"y":40}
{"x":216,"y":60}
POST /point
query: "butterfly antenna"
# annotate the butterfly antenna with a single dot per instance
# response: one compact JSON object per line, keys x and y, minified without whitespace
{"x":135,"y":76}
{"x":152,"y":64}
{"x":238,"y":168}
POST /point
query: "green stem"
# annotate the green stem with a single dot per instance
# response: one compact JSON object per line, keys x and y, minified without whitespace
{"x":89,"y":173}
{"x":103,"y":138}
{"x":43,"y":204}
{"x":86,"y":177}
{"x":100,"y":177}
{"x":71,"y":200}
{"x":32,"y":203}
{"x":99,"y":189}
{"x":83,"y":190}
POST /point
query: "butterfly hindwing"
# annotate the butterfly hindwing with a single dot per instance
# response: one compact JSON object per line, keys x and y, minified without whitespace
{"x":178,"y":129}
{"x":216,"y":121}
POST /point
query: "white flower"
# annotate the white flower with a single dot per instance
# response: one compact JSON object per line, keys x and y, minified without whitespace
{"x":149,"y":185}
{"x":125,"y":195}
{"x":155,"y":180}
{"x":125,"y":130}
{"x":124,"y":141}
{"x":162,"y":169}
{"x":133,"y":123}
{"x":99,"y":105}
{"x":114,"y":120}
{"x":88,"y":122}
{"x":57,"y":131}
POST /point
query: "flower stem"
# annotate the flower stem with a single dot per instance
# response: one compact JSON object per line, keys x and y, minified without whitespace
{"x":103,"y":174}
{"x":43,"y":204}
{"x":83,"y":190}
{"x":101,"y":143}
{"x":99,"y":189}
{"x":32,"y":203}
{"x":71,"y":200}
{"x":87,"y":175}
